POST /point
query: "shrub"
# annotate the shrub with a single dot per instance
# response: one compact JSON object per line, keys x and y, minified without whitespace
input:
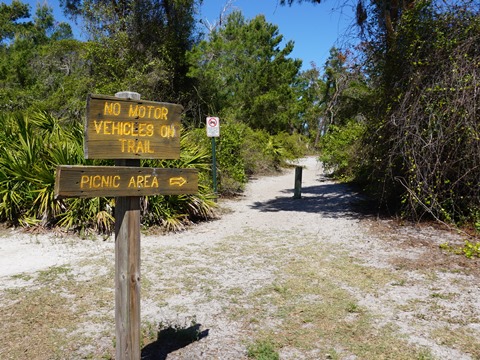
{"x":340,"y":149}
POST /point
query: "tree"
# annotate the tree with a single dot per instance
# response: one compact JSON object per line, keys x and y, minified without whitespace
{"x":247,"y":76}
{"x":38,"y":61}
{"x":310,"y":88}
{"x":9,"y":20}
{"x":139,"y":45}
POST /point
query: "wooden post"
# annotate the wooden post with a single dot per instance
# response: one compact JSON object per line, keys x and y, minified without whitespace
{"x":298,"y":183}
{"x":127,"y":267}
{"x":113,"y":130}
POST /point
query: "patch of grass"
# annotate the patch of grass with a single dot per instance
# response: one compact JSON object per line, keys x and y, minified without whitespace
{"x":353,"y":308}
{"x":436,"y":295}
{"x":425,"y":354}
{"x":401,"y":282}
{"x":22,"y":276}
{"x":54,"y":273}
{"x":469,"y":250}
{"x":262,"y":350}
{"x":458,"y":338}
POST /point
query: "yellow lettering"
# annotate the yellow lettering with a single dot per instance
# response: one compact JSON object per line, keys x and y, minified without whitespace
{"x":150,"y":129}
{"x":147,"y":111}
{"x":150,"y":111}
{"x":164,"y":113}
{"x":167,"y":131}
{"x":116,"y":181}
{"x":98,"y":126}
{"x":147,"y":180}
{"x":143,"y":181}
{"x":106,"y":127}
{"x":133,"y":111}
{"x":134,"y":129}
{"x":129,"y":131}
{"x":105,"y":181}
{"x":131,"y":146}
{"x":117,"y":128}
{"x":147,"y":147}
{"x":123,"y":141}
{"x":84,"y":180}
{"x":141,"y":129}
{"x":141,"y":112}
{"x":112,"y":109}
{"x":161,"y":113}
{"x":97,"y":181}
{"x":140,"y":147}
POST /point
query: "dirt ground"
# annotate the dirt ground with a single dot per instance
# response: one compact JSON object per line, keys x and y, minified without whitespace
{"x":311,"y":278}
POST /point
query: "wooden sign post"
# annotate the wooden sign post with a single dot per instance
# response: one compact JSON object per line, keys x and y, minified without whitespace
{"x":127,"y":256}
{"x":127,"y":129}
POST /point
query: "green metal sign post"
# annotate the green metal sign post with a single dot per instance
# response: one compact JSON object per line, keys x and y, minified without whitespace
{"x":213,"y":131}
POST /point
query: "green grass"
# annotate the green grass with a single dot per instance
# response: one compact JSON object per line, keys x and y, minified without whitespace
{"x":262,"y":350}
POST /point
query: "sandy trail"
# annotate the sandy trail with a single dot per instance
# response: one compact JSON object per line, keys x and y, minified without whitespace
{"x":189,"y":277}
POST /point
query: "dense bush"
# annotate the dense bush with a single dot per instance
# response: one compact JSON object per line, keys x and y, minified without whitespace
{"x":417,"y":145}
{"x":426,"y":148}
{"x":341,"y":151}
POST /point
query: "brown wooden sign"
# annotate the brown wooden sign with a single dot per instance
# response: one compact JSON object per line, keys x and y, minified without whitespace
{"x":93,"y":181}
{"x":131,"y":129}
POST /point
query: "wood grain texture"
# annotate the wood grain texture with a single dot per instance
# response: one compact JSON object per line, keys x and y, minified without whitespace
{"x":131,"y":129}
{"x":127,"y":278}
{"x":109,"y":181}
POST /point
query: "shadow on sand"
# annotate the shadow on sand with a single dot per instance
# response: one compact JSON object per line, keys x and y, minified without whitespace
{"x":329,"y":199}
{"x":171,"y":339}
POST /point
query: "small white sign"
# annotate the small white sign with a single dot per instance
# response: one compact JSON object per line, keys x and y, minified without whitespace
{"x":213,"y":126}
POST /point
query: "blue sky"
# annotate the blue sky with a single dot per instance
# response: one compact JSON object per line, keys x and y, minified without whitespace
{"x":313,"y":28}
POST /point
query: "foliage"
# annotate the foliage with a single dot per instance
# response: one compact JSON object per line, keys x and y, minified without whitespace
{"x":262,"y":350}
{"x":341,"y":151}
{"x":173,"y":212}
{"x":139,"y":45}
{"x":244,"y":74}
{"x":41,"y":66}
{"x":426,"y":148}
{"x":9,"y":19}
{"x":421,"y":141}
{"x":345,"y":105}
{"x":310,"y":103}
{"x":469,"y":250}
{"x":32,"y":148}
{"x":45,"y":76}
{"x":346,"y":90}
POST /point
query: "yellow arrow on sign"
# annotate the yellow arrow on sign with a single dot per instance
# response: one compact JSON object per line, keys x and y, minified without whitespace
{"x":179,"y":181}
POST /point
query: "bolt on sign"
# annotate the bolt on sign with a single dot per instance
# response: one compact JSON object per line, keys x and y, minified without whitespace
{"x":93,"y":181}
{"x":131,"y":129}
